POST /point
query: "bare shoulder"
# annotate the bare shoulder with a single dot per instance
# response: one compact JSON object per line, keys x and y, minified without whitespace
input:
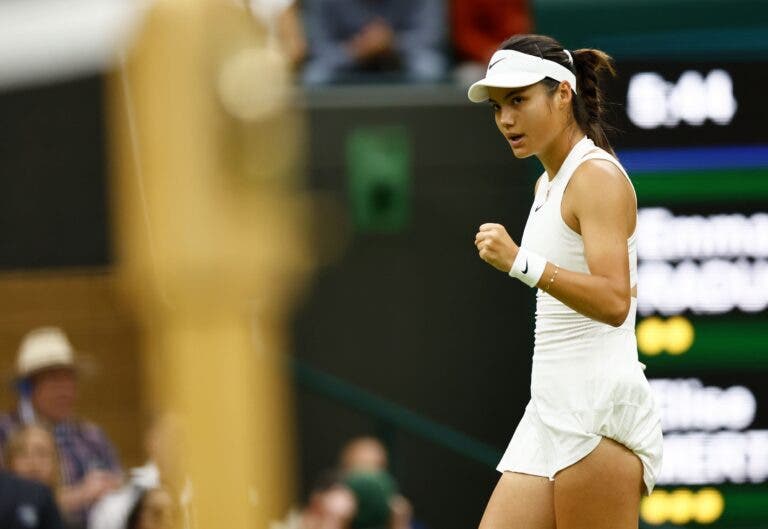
{"x":600,"y":181}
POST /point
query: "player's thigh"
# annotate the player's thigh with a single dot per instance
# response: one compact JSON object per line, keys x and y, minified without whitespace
{"x":601,"y":491}
{"x":520,"y":501}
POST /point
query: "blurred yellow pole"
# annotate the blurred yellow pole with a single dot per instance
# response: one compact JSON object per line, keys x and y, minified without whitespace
{"x":210,"y":249}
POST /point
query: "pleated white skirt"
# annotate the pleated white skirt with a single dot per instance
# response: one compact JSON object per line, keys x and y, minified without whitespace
{"x":585,"y":388}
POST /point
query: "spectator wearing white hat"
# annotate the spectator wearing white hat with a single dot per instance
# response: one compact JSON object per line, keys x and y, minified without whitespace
{"x":47,"y":389}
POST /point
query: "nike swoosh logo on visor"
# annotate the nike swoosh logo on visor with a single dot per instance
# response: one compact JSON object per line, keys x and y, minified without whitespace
{"x":494,"y":63}
{"x":525,"y":270}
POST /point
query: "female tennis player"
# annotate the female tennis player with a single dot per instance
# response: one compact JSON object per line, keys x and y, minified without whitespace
{"x":589,"y":443}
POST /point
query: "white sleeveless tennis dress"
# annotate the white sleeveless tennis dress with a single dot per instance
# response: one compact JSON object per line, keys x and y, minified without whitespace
{"x":586,"y":380}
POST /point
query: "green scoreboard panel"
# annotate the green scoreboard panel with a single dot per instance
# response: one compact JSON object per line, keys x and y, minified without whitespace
{"x":696,"y":147}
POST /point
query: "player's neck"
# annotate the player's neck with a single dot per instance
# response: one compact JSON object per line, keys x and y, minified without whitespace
{"x":552,"y":159}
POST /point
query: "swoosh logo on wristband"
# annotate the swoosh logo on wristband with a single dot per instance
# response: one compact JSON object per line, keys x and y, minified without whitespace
{"x":525,"y":270}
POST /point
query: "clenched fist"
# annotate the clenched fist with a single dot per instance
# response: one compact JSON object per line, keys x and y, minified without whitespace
{"x":496,"y":247}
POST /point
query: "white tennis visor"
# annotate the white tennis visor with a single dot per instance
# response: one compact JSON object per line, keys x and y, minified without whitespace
{"x":513,"y":69}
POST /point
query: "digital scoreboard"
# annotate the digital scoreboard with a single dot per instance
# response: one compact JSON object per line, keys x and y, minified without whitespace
{"x":695,"y":144}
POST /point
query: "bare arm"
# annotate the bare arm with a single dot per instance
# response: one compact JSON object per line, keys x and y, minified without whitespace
{"x":600,"y":198}
{"x":602,"y":203}
{"x":81,"y":495}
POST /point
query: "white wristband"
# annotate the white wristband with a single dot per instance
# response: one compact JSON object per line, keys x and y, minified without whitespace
{"x":528,"y":267}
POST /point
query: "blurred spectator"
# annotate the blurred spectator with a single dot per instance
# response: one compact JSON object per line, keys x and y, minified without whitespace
{"x":360,"y":494}
{"x":374,"y":492}
{"x":331,"y":505}
{"x":30,"y":453}
{"x":363,"y":453}
{"x":368,"y":455}
{"x":155,"y":509}
{"x":285,"y":31}
{"x":26,"y":504}
{"x":47,"y":385}
{"x":372,"y":40}
{"x":478,"y":26}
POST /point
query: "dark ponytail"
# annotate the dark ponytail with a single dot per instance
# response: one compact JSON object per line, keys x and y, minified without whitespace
{"x":589,"y":66}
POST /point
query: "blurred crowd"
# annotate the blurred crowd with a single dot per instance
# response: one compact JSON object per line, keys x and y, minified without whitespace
{"x":365,"y":41}
{"x":358,"y":493}
{"x":59,"y":471}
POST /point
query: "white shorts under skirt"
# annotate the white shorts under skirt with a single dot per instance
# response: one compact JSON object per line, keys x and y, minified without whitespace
{"x":532,"y":448}
{"x":551,"y":437}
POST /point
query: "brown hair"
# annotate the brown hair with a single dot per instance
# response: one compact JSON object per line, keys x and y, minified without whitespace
{"x":589,"y":66}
